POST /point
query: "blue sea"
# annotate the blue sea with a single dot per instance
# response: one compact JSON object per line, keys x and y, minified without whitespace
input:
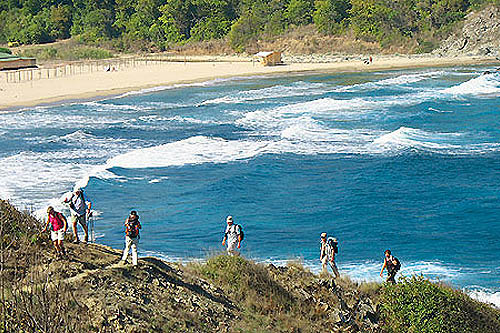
{"x":401,"y":160}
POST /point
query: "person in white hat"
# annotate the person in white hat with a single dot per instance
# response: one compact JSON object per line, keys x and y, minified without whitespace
{"x":327,"y":254}
{"x":232,"y":236}
{"x":79,"y":206}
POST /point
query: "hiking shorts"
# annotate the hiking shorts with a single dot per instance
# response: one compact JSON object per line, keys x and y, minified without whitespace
{"x":232,"y":248}
{"x":80,"y":219}
{"x":57,"y":235}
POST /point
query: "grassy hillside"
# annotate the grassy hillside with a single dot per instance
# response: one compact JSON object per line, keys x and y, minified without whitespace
{"x":90,"y":292}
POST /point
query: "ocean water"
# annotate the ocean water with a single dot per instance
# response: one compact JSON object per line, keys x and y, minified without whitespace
{"x":407,"y":160}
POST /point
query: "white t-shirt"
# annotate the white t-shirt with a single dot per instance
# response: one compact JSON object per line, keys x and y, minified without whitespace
{"x":79,"y":203}
{"x":232,"y":233}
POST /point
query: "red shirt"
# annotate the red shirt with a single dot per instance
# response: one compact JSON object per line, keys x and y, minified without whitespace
{"x":56,"y":221}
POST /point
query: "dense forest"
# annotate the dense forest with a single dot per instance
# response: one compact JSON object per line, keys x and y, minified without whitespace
{"x":158,"y":24}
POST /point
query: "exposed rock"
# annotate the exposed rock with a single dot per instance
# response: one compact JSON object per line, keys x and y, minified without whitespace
{"x":479,"y":35}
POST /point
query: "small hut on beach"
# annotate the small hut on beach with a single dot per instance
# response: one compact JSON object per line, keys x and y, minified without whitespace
{"x":269,"y":58}
{"x":9,"y":61}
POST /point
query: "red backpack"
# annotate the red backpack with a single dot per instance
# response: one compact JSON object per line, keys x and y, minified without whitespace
{"x":132,"y":228}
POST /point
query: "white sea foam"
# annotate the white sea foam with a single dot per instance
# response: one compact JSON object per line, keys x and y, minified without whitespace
{"x":304,"y":137}
{"x":180,"y":85}
{"x":280,"y":91}
{"x":29,"y":178}
{"x":60,"y":120}
{"x":406,"y":138}
{"x":106,"y":106}
{"x":195,"y":150}
{"x":329,"y":109}
{"x":157,"y":180}
{"x":483,"y":85}
{"x":439,"y":111}
{"x":484,"y":295}
{"x":368,"y":271}
{"x":410,"y":78}
{"x":180,"y":119}
{"x":401,"y":81}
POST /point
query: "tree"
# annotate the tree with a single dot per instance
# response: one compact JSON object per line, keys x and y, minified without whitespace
{"x":371,"y":19}
{"x":60,"y":21}
{"x":176,"y":19}
{"x":329,"y":15}
{"x":212,"y":18}
{"x":300,"y":12}
{"x":96,"y":25}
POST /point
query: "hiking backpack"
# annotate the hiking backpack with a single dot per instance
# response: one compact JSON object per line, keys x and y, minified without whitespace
{"x":242,"y":234}
{"x":397,"y":266}
{"x":132,"y":228}
{"x":334,"y":245}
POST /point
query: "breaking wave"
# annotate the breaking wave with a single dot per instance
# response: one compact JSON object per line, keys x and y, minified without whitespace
{"x":404,"y":139}
{"x":483,"y":85}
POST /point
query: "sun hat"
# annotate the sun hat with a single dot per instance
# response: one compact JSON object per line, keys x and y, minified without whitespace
{"x":229,"y":219}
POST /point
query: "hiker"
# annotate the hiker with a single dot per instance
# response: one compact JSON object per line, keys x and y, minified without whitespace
{"x":393,"y":266}
{"x":58,"y":228}
{"x":79,"y":206}
{"x":132,"y":226}
{"x":233,"y":236}
{"x":328,"y":249}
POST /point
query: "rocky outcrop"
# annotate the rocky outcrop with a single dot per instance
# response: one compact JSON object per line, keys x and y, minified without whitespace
{"x":480,"y":35}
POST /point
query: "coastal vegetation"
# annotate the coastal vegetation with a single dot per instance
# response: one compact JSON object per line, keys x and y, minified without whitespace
{"x":91,"y":293}
{"x":65,"y":51}
{"x":150,"y":25}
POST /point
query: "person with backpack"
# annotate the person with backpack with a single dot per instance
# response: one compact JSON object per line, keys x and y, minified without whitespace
{"x":328,"y":249}
{"x":392,"y":264}
{"x":58,"y":224}
{"x":79,"y":206}
{"x":132,"y":226}
{"x":233,"y":236}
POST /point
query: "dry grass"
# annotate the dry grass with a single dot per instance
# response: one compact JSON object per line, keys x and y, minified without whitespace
{"x":30,"y":300}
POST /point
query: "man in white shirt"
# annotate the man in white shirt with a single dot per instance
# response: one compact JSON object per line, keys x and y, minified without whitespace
{"x":232,"y":236}
{"x":79,"y":206}
{"x":327,"y":255}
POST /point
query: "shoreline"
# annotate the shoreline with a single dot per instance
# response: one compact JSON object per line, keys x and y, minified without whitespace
{"x":101,"y":85}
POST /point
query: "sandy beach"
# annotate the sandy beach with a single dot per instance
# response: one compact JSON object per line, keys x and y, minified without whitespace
{"x":100,"y":84}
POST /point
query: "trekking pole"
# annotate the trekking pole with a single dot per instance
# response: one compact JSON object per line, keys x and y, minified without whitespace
{"x":91,"y":227}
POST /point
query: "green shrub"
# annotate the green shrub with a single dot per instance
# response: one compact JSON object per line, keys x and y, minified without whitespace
{"x":247,"y":282}
{"x":66,"y":53}
{"x":5,"y":50}
{"x":416,"y":305}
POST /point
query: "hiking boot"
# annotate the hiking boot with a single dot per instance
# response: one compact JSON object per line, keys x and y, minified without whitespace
{"x":76,"y":241}
{"x":85,"y":240}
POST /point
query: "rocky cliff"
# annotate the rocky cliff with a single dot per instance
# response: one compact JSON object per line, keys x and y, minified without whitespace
{"x":479,"y":35}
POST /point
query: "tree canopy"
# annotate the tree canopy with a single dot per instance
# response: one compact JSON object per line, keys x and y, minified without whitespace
{"x":160,"y":23}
